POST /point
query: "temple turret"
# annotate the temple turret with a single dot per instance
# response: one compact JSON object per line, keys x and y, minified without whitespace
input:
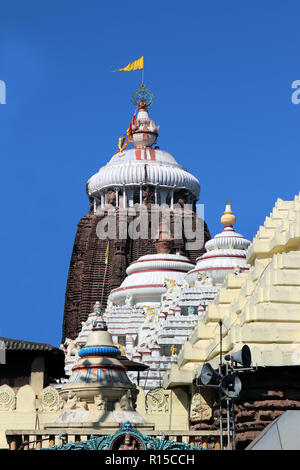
{"x":133,"y":182}
{"x":142,"y":174}
{"x":144,"y":131}
{"x":225,"y":252}
{"x":98,"y":391}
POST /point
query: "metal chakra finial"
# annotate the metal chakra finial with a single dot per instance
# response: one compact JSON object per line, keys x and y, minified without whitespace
{"x":143,"y":97}
{"x":228,"y":202}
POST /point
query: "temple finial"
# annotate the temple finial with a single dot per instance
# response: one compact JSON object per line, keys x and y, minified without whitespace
{"x":228,"y":218}
{"x":142,"y":98}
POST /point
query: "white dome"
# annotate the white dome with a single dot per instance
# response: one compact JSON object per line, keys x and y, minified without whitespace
{"x":217,"y":263}
{"x":229,"y":238}
{"x":146,"y":277}
{"x":142,"y":165}
{"x":225,"y":252}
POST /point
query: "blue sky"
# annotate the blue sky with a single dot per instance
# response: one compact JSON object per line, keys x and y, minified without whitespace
{"x":221,"y":73}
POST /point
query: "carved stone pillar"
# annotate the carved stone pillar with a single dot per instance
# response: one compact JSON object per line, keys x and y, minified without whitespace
{"x":117,"y":196}
{"x":155,"y":195}
{"x":141,"y":194}
{"x":102,"y":200}
{"x":172,"y":199}
{"x":124,"y":197}
{"x":163,"y":196}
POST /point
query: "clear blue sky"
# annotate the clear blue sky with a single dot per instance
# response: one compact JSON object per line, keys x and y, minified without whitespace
{"x":221,"y":73}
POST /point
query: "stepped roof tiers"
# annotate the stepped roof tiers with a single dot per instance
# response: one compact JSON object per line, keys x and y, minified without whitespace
{"x":133,"y":317}
{"x":261,"y":308}
{"x":142,"y":176}
{"x":99,"y":392}
{"x":155,"y":309}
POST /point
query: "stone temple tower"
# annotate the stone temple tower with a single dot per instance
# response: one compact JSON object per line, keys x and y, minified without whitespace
{"x":140,"y":178}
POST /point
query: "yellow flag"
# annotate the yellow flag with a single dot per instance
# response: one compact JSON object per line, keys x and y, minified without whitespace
{"x":135,"y":65}
{"x":106,"y":252}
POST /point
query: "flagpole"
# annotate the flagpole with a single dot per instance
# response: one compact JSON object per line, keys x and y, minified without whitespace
{"x":142,"y":75}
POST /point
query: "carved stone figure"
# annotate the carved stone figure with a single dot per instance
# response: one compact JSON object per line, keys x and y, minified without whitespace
{"x":111,"y":197}
{"x":170,"y":284}
{"x":128,"y":300}
{"x":191,"y":310}
{"x":71,"y":402}
{"x":126,"y":401}
{"x":72,"y":348}
{"x":74,"y":402}
{"x":134,"y":393}
{"x":203,"y":280}
{"x":100,"y":402}
{"x":237,"y":270}
{"x":129,"y":443}
{"x":81,"y":404}
{"x":182,"y":198}
{"x":199,"y":409}
{"x":149,"y":309}
{"x":147,"y":196}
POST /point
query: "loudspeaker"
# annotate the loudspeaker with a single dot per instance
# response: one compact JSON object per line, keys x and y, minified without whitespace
{"x":208,"y":375}
{"x":231,"y":385}
{"x":243,"y":356}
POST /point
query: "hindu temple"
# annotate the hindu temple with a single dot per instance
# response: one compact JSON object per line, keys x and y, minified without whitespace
{"x":147,"y":311}
{"x":143,"y":176}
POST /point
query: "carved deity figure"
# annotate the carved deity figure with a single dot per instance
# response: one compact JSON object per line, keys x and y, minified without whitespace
{"x":150,"y":311}
{"x":191,"y":310}
{"x":148,"y":196}
{"x":121,"y":347}
{"x":237,"y":270}
{"x":126,"y":401}
{"x":203,"y":280}
{"x":182,"y":198}
{"x":100,"y":402}
{"x":128,"y":300}
{"x":173,"y":350}
{"x":199,"y":410}
{"x":110,"y":197}
{"x":129,"y":443}
{"x":71,"y":346}
{"x":71,"y":401}
{"x":74,"y":402}
{"x":170,"y":284}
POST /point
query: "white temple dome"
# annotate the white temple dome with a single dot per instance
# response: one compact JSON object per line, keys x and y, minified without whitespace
{"x":146,"y":278}
{"x":143,"y":165}
{"x":228,"y":238}
{"x":224,"y":253}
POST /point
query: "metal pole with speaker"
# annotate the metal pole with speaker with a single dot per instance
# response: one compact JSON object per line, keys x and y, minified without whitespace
{"x":242,"y":357}
{"x":229,"y":385}
{"x":220,"y":391}
{"x":233,"y":425}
